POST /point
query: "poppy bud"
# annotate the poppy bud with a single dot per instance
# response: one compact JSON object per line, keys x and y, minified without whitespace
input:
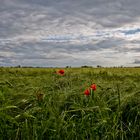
{"x":40,"y":96}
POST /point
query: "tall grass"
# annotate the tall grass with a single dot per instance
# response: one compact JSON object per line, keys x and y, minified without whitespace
{"x":38,"y":104}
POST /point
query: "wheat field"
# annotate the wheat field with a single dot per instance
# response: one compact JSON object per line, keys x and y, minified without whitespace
{"x":39,"y":104}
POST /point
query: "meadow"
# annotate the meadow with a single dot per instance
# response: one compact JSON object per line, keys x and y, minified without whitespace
{"x":39,"y":104}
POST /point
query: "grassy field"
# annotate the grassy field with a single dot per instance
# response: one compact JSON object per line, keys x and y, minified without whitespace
{"x":38,"y":104}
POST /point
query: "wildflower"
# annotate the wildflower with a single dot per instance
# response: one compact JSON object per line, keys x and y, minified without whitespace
{"x":87,"y":92}
{"x":93,"y":87}
{"x":61,"y":72}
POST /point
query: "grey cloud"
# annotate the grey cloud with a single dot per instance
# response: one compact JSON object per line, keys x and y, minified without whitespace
{"x":136,"y":49}
{"x":41,"y":47}
{"x":61,"y":51}
{"x":137,"y":61}
{"x":27,"y":16}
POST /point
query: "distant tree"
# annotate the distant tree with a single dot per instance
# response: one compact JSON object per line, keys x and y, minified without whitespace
{"x":18,"y":66}
{"x":98,"y":66}
{"x":86,"y":66}
{"x":68,"y":66}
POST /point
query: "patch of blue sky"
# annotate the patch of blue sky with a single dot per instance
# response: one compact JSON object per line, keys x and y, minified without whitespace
{"x":130,"y":32}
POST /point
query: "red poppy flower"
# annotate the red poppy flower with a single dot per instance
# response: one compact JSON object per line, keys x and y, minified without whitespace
{"x":93,"y":86}
{"x":87,"y":92}
{"x":61,"y":72}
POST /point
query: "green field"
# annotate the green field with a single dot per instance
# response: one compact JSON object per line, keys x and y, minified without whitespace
{"x":38,"y":104}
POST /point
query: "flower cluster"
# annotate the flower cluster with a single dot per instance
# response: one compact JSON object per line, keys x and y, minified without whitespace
{"x":87,"y":92}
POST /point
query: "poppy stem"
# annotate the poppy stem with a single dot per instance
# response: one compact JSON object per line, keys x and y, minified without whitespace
{"x":92,"y":94}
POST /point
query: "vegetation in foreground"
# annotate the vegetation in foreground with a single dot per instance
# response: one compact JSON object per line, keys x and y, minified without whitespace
{"x":39,"y":104}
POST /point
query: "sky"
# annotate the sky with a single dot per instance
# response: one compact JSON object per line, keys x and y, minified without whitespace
{"x":59,"y":33}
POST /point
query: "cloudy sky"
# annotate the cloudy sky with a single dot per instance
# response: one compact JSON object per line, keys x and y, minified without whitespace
{"x":69,"y":32}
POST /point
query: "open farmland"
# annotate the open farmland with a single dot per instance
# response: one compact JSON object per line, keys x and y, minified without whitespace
{"x":39,"y":104}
